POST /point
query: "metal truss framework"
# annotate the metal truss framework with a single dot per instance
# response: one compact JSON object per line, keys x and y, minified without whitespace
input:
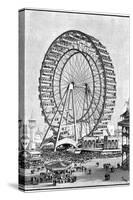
{"x":77,"y":86}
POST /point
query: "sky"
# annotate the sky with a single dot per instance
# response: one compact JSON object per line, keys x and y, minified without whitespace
{"x":41,"y":28}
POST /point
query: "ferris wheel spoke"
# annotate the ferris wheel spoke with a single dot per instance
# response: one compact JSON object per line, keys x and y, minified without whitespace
{"x":88,"y":99}
{"x":87,"y":102}
{"x":81,"y":108}
{"x":63,"y":86}
{"x":69,"y":67}
{"x":56,"y":93}
{"x":72,"y":76}
{"x":81,"y":77}
{"x":68,"y":106}
{"x":78,"y":64}
{"x":58,"y":71}
{"x":82,"y":64}
{"x":97,"y":74}
{"x":97,"y":96}
{"x":68,"y":74}
{"x":95,"y":80}
{"x":77,"y":102}
{"x":97,"y":92}
{"x":56,"y":80}
{"x":76,"y":61}
{"x":63,"y":83}
{"x":83,"y":105}
{"x":74,"y":116}
{"x":80,"y":95}
{"x":57,"y":74}
{"x":97,"y":60}
{"x":65,"y":75}
{"x":96,"y":99}
{"x":82,"y":67}
{"x":65,"y":80}
{"x":76,"y":71}
{"x":87,"y":73}
{"x":100,"y":82}
{"x":56,"y":88}
{"x":95,"y":104}
{"x":72,"y":61}
{"x":93,"y":112}
{"x":86,"y":95}
{"x":73,"y":72}
{"x":89,"y":121}
{"x":86,"y":70}
{"x":86,"y":80}
{"x":63,"y":89}
{"x":56,"y":85}
{"x":97,"y":86}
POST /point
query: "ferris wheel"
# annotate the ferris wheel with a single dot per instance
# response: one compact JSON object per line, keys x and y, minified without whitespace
{"x":77,"y":87}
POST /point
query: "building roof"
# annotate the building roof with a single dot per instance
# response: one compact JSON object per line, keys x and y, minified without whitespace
{"x":124,"y":123}
{"x":125,"y":114}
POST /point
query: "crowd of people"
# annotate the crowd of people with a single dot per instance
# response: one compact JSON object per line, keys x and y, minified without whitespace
{"x":66,"y":177}
{"x":49,"y":155}
{"x":83,"y":157}
{"x":54,"y":177}
{"x":39,"y":175}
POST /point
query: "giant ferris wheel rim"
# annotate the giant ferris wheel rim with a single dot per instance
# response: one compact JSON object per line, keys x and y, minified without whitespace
{"x":91,"y":41}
